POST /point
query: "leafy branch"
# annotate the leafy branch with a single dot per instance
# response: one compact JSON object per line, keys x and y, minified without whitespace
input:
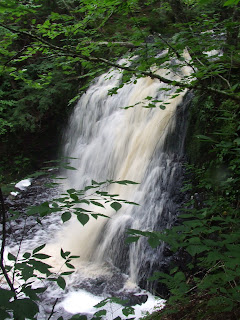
{"x":197,"y":85}
{"x":31,"y":266}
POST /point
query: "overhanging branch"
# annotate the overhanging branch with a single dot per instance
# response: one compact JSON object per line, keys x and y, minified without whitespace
{"x":125,"y":44}
{"x":69,"y":52}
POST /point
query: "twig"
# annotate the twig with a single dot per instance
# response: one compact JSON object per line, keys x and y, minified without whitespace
{"x":19,"y":248}
{"x":16,"y":55}
{"x":4,"y":220}
{"x":53,"y":307}
{"x":229,"y":86}
{"x":176,"y":52}
{"x":140,"y":30}
{"x":126,"y":44}
{"x":218,"y":75}
{"x":207,"y":272}
{"x":197,"y":86}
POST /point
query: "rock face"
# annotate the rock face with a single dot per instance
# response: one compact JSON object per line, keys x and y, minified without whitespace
{"x":19,"y":224}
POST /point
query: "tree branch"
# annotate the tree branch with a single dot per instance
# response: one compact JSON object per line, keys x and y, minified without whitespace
{"x":218,"y":75}
{"x":66,"y":51}
{"x":126,"y":44}
{"x":16,"y":55}
{"x":4,"y":220}
{"x":175,"y":51}
{"x":53,"y":307}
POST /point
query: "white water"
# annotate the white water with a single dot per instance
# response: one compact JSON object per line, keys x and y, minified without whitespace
{"x":139,"y":144}
{"x":109,"y":142}
{"x":82,"y":302}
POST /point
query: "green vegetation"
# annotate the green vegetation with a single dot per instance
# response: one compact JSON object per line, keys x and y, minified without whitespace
{"x":20,"y":288}
{"x":51,"y":50}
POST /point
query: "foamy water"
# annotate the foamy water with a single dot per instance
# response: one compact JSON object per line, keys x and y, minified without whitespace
{"x":140,"y":144}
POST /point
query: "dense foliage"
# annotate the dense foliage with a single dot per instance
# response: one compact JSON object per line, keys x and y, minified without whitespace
{"x":49,"y":49}
{"x":25,"y":276}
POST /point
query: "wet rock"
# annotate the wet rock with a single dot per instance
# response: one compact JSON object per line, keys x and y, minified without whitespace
{"x":137,"y":299}
{"x":19,"y":224}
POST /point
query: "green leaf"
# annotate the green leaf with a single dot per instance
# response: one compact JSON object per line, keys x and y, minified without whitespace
{"x":127,"y":311}
{"x":154,"y":242}
{"x":196,"y":249}
{"x":133,"y":203}
{"x":29,"y":292}
{"x":82,"y":218}
{"x":100,"y":313}
{"x":116,"y":206}
{"x":96,"y":215}
{"x":37,"y":174}
{"x":237,"y":141}
{"x":64,"y":254}
{"x":231,"y":3}
{"x":41,"y":256}
{"x":11,"y":257}
{"x":157,"y":275}
{"x":162,"y":107}
{"x":69,"y":168}
{"x":26,"y":255}
{"x":194,"y":240}
{"x":97,"y":203}
{"x":79,"y":317}
{"x":24,"y":308}
{"x":69,"y":265}
{"x":84,"y":201}
{"x":66,"y":216}
{"x":67,"y":273}
{"x":40,"y":290}
{"x":42,"y":209}
{"x":204,"y":138}
{"x":131,"y":239}
{"x":40,"y":266}
{"x":101,"y":303}
{"x":61,"y":282}
{"x":179,"y":277}
{"x":39,"y":248}
{"x":27,"y":272}
{"x":74,"y":197}
{"x":126,"y":182}
{"x":5,"y":296}
{"x":120,"y":301}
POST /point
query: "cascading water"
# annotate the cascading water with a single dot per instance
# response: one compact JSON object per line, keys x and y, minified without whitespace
{"x":144,"y":145}
{"x":136,"y":144}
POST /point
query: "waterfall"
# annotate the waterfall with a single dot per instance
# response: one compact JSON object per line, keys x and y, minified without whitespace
{"x":141,"y":144}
